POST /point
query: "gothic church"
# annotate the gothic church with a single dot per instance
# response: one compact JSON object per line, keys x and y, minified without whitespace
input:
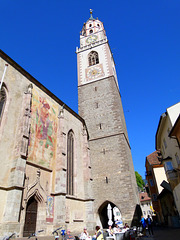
{"x":60,"y":168}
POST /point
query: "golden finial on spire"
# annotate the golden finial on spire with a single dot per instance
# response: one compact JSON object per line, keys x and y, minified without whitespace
{"x":91,"y":11}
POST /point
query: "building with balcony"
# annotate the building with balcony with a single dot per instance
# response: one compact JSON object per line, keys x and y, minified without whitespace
{"x":155,"y":174}
{"x":146,"y":204}
{"x":175,"y":131}
{"x":168,"y":207}
{"x":167,"y":141}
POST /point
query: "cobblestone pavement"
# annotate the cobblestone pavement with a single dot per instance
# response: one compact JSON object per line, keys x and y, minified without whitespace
{"x":163,"y":233}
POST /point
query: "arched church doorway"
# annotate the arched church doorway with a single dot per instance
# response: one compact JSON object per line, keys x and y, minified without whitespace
{"x":31,"y":217}
{"x":109,"y":214}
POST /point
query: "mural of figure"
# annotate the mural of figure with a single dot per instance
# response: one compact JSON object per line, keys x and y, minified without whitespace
{"x":43,"y":131}
{"x":50,"y":207}
{"x":43,"y":128}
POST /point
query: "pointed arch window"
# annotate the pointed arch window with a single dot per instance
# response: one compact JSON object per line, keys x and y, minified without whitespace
{"x":70,"y":163}
{"x":93,"y":58}
{"x":3,"y":98}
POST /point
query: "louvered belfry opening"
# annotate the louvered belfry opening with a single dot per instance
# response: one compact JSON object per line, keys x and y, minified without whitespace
{"x":93,"y":58}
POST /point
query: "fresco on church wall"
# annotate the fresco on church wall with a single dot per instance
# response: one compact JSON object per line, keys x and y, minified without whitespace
{"x":43,"y":130}
{"x":50,"y":209}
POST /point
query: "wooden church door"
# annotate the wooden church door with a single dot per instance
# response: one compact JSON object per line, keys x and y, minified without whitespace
{"x":31,"y":216}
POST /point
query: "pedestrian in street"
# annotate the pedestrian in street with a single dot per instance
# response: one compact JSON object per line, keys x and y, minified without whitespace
{"x":110,"y":231}
{"x":84,"y":235}
{"x":68,"y":235}
{"x":116,"y":229}
{"x":143,"y":223}
{"x":126,"y":226}
{"x":149,"y":225}
{"x":99,"y":233}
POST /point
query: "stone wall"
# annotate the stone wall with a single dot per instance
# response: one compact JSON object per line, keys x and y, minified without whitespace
{"x":112,"y":167}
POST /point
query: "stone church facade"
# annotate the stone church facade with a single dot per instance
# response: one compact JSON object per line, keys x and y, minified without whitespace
{"x":61,"y":169}
{"x":46,"y":171}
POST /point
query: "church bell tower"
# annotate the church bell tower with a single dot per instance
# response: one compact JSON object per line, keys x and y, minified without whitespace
{"x":99,"y":103}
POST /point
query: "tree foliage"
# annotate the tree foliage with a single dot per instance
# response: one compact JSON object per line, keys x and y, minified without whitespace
{"x":139,"y":181}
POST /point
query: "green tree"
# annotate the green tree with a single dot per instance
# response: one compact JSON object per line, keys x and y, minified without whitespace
{"x":139,"y":181}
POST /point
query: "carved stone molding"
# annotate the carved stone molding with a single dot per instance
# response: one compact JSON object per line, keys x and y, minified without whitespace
{"x":35,"y":189}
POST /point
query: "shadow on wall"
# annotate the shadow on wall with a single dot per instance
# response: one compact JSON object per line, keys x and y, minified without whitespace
{"x":137,"y":216}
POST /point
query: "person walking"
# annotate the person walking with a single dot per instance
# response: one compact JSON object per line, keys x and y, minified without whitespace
{"x":99,"y":233}
{"x":149,"y":225}
{"x":143,"y":223}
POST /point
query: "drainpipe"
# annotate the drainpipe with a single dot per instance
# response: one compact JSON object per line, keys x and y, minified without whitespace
{"x":5,"y":68}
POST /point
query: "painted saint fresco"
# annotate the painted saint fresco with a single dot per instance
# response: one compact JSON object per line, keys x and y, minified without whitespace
{"x":43,"y":131}
{"x":50,"y":209}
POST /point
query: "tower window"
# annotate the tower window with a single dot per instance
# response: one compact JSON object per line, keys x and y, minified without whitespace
{"x":93,"y":58}
{"x":106,"y":179}
{"x":70,"y":163}
{"x":91,"y":31}
{"x":2,"y":101}
{"x":90,"y":25}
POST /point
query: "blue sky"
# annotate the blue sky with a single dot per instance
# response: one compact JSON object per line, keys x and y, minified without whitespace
{"x":144,"y":35}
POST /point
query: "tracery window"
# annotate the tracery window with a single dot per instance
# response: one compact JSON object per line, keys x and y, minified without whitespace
{"x":70,"y":163}
{"x":93,"y":58}
{"x":3,"y":98}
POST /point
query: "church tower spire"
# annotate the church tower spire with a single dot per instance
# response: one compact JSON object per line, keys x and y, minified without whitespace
{"x":99,"y":103}
{"x":93,"y":36}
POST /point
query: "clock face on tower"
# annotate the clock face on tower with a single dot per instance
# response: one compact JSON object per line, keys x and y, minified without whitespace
{"x":92,"y":38}
{"x":94,"y":72}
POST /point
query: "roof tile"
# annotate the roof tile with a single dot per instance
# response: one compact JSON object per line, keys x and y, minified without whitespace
{"x":143,"y":196}
{"x":153,"y":158}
